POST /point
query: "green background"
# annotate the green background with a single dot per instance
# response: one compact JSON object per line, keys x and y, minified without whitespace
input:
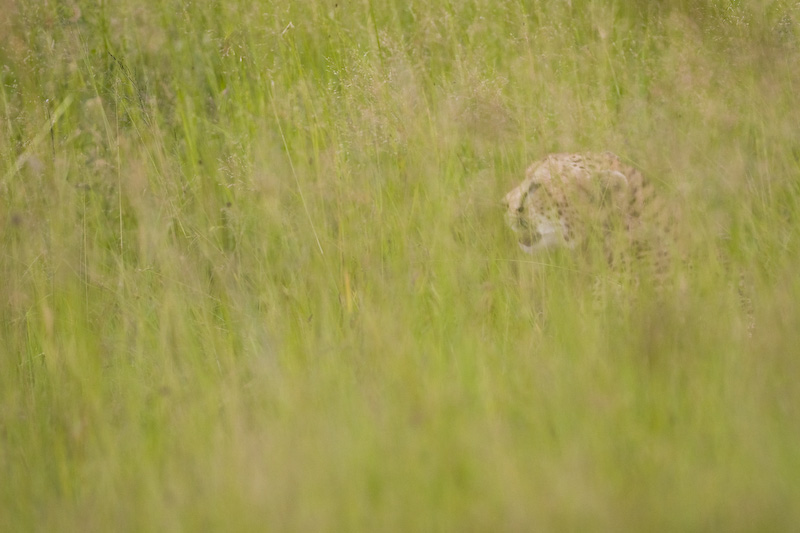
{"x":254,"y":272}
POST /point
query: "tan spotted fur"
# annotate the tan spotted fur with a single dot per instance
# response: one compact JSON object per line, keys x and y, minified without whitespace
{"x":586,"y":201}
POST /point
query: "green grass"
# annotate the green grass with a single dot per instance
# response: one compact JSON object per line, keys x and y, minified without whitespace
{"x":255,"y":273}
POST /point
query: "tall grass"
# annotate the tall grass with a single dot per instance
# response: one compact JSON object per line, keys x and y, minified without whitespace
{"x":255,"y":273}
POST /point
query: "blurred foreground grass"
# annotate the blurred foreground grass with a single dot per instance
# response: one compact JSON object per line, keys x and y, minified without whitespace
{"x":255,"y":275}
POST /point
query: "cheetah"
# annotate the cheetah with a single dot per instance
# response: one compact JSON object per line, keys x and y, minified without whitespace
{"x":595,"y":202}
{"x":587,"y":201}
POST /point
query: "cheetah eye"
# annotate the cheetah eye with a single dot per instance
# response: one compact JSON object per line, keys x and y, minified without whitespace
{"x":531,"y":189}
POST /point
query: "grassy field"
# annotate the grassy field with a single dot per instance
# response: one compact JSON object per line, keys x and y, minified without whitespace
{"x":254,"y":272}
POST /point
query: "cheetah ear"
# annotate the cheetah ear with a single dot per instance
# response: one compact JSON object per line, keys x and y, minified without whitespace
{"x":613,"y":185}
{"x":613,"y":179}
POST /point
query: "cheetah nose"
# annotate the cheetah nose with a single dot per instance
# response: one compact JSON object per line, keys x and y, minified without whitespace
{"x":527,"y":239}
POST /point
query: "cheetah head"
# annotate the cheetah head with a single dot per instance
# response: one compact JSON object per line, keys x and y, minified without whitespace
{"x":534,"y":215}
